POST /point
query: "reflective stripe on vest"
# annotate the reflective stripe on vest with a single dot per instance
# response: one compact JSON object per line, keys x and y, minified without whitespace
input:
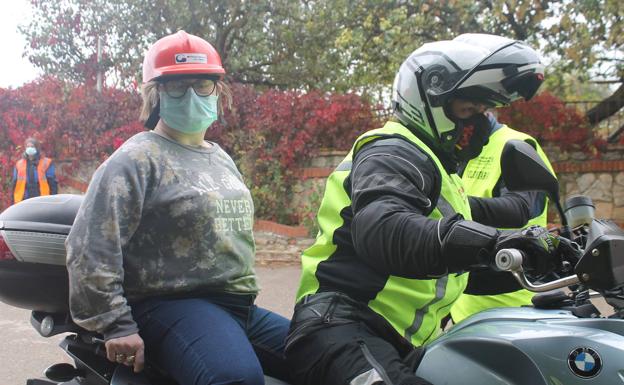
{"x":480,"y":178}
{"x":20,"y":183}
{"x":414,"y":307}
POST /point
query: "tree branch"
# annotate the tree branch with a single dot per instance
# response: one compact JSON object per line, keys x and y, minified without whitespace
{"x":606,"y":107}
{"x":613,"y":137}
{"x":606,"y":81}
{"x":511,"y":18}
{"x":259,"y":82}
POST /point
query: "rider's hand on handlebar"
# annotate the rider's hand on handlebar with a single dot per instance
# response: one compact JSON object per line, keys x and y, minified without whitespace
{"x":540,"y":247}
{"x":128,"y":350}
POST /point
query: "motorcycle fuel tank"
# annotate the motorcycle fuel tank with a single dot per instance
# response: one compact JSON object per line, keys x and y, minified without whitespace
{"x":515,"y":346}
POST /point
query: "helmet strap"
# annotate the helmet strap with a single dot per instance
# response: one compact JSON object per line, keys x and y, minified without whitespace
{"x":154,"y":117}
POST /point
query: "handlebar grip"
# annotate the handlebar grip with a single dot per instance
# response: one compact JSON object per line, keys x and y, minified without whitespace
{"x":509,"y":260}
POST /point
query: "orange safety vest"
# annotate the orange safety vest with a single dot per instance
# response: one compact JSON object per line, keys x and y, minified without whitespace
{"x":20,"y":184}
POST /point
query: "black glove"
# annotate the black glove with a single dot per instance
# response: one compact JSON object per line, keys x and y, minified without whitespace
{"x":540,"y":248}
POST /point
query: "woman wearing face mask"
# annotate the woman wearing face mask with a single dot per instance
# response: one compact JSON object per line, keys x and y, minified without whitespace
{"x":33,"y":175}
{"x":161,"y":254}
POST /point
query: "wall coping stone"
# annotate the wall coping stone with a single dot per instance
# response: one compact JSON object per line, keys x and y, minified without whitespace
{"x":332,"y":152}
{"x":262,"y":225}
{"x":588,"y":166}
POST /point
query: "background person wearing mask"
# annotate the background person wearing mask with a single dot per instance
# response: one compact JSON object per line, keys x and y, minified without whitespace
{"x":160,"y":256}
{"x":482,"y":178}
{"x":397,"y":231}
{"x":34,"y":174}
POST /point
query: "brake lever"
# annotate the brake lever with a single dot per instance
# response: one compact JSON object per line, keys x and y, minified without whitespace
{"x":511,"y":260}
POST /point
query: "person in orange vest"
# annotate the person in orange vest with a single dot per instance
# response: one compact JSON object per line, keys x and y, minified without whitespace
{"x":34,"y":174}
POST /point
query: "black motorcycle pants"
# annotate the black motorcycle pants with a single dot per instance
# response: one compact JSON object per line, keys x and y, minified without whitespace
{"x":335,"y":340}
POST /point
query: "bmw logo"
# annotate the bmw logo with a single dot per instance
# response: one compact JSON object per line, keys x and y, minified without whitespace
{"x":584,"y":362}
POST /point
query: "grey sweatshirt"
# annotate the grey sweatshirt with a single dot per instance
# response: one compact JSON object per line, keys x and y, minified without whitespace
{"x":159,"y":218}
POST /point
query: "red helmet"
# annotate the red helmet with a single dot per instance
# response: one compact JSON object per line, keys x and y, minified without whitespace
{"x":181,"y":54}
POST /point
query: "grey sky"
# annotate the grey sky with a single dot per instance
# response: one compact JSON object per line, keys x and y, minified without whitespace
{"x":14,"y":69}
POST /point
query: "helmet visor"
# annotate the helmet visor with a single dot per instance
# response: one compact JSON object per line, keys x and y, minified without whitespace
{"x":512,"y":72}
{"x":495,"y":77}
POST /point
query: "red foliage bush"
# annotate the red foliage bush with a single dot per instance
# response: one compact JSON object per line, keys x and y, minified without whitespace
{"x":71,"y":122}
{"x":548,"y":119}
{"x":273,"y":134}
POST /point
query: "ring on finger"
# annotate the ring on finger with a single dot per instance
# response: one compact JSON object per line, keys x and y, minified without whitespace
{"x":130,"y":359}
{"x":120,"y":357}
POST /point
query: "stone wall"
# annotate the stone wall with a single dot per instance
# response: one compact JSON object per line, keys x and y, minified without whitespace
{"x":277,"y":248}
{"x":601,"y":178}
{"x":309,"y":190}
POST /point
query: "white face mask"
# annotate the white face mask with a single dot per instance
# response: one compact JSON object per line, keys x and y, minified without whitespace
{"x":30,"y":151}
{"x":189,"y":114}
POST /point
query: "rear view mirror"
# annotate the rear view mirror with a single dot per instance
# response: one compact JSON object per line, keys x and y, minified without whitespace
{"x":523,"y":170}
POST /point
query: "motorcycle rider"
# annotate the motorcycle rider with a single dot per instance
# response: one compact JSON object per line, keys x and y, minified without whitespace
{"x":397,"y":230}
{"x":482,"y":178}
{"x":160,"y":256}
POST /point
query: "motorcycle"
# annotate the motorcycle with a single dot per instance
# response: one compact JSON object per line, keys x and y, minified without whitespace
{"x":562,"y":339}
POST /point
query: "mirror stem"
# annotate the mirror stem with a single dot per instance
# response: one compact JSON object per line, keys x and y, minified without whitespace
{"x":565,"y":229}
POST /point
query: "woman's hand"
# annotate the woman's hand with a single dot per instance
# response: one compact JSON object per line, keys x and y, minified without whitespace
{"x":128,"y":350}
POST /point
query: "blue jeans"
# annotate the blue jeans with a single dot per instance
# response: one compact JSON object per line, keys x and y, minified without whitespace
{"x":216,"y":339}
